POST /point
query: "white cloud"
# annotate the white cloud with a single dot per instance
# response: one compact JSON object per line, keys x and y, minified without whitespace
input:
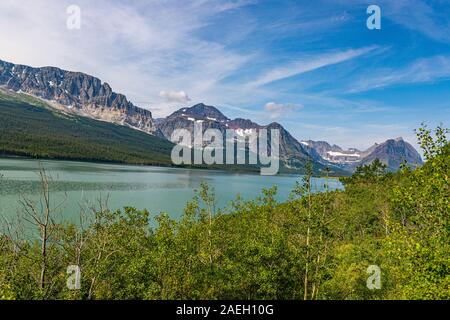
{"x":175,"y":96}
{"x":280,"y":110}
{"x":142,"y":48}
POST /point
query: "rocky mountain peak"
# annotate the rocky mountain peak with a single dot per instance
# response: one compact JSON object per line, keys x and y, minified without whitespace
{"x":200,"y":111}
{"x":85,"y":95}
{"x":274,"y":125}
{"x":75,"y":92}
{"x":392,"y":152}
{"x":291,"y":151}
{"x":240,"y":123}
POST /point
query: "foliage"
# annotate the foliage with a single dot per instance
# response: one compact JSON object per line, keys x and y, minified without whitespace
{"x":314,"y":246}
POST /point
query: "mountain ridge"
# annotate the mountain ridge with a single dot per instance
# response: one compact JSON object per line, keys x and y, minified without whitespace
{"x":392,"y":152}
{"x":87,"y":96}
{"x":294,"y":152}
{"x":72,"y":137}
{"x":291,"y":153}
{"x":75,"y":92}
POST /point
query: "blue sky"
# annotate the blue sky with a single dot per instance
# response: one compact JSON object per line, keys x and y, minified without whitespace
{"x":313,"y":66}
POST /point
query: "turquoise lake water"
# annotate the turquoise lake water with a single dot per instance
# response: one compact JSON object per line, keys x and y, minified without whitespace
{"x":157,"y":189}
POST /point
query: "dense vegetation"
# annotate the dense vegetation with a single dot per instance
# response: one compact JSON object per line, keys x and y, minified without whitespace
{"x":315,"y":246}
{"x":28,"y":127}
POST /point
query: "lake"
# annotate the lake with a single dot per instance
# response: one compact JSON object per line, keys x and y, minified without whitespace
{"x":157,"y":189}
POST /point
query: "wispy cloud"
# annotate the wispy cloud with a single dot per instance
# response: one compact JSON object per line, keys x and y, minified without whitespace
{"x":141,"y":48}
{"x":420,"y":16}
{"x":420,"y":71}
{"x":308,"y":64}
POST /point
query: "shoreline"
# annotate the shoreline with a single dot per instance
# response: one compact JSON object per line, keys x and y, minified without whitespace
{"x":242,"y":171}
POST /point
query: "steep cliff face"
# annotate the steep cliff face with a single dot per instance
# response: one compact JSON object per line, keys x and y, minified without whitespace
{"x":77,"y":93}
{"x":290,"y":148}
{"x":30,"y":127}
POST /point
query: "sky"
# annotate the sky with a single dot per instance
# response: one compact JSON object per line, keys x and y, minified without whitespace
{"x":312,"y":66}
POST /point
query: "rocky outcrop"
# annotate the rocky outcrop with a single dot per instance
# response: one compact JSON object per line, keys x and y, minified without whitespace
{"x":75,"y":92}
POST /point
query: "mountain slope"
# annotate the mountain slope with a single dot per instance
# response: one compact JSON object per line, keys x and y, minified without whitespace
{"x":392,"y":153}
{"x":186,"y":117}
{"x":292,"y":154}
{"x":77,"y":93}
{"x":212,"y":118}
{"x":29,"y":127}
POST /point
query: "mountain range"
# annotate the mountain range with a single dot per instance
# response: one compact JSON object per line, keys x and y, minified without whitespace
{"x":77,"y":95}
{"x":392,"y":152}
{"x":291,"y":151}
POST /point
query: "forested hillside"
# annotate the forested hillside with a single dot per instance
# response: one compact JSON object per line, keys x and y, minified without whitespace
{"x":28,"y":127}
{"x":315,"y":246}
